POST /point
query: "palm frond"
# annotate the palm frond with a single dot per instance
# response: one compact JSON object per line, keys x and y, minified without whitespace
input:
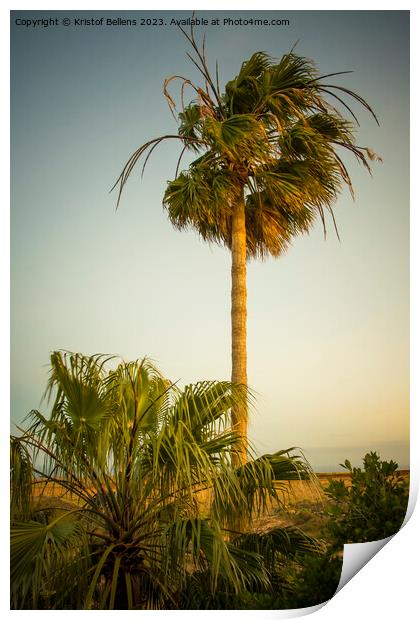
{"x":278,"y":545}
{"x":21,"y":480}
{"x":38,"y":554}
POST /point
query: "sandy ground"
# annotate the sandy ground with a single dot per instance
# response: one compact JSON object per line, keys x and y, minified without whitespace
{"x":294,"y":496}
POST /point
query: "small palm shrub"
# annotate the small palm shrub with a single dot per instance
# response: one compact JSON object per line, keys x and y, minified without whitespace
{"x":130,"y":456}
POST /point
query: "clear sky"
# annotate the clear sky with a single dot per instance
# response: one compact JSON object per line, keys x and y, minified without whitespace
{"x":328,"y":323}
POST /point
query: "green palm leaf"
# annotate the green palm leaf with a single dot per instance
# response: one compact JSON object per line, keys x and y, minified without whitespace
{"x":38,"y":554}
{"x":21,"y":479}
{"x":278,"y":545}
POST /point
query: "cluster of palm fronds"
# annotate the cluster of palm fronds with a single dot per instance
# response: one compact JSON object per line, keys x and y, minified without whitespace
{"x":133,"y":454}
{"x":276,"y":137}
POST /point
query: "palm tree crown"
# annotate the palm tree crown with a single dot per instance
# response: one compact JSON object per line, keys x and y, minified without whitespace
{"x":272,"y":137}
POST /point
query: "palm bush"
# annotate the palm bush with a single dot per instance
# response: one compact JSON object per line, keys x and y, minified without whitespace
{"x":152,"y":498}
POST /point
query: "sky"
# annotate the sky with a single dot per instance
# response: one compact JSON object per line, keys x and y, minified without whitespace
{"x":328,"y":322}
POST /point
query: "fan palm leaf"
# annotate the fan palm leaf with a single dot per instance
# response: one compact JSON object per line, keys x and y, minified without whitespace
{"x":49,"y":562}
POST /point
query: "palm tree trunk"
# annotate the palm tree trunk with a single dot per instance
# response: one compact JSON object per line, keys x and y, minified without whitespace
{"x":238,"y":319}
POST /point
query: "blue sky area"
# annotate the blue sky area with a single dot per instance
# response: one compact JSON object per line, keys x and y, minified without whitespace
{"x":328,"y":323}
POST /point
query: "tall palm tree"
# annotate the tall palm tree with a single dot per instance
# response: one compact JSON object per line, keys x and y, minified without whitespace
{"x":268,"y":162}
{"x":130,"y":455}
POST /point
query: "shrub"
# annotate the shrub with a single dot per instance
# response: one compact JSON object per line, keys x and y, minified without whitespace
{"x":372,"y":507}
{"x":314,"y":581}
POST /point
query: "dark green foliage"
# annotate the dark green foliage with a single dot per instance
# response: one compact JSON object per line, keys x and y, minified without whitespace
{"x":284,"y":553}
{"x":313,"y":582}
{"x":372,"y":508}
{"x":309,"y":580}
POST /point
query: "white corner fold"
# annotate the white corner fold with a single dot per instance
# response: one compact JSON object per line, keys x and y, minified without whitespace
{"x":356,"y":555}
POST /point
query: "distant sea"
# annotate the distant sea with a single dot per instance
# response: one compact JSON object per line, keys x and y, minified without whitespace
{"x":328,"y":459}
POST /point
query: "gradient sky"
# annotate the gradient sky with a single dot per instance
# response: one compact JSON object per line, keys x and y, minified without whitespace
{"x":328,"y":330}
